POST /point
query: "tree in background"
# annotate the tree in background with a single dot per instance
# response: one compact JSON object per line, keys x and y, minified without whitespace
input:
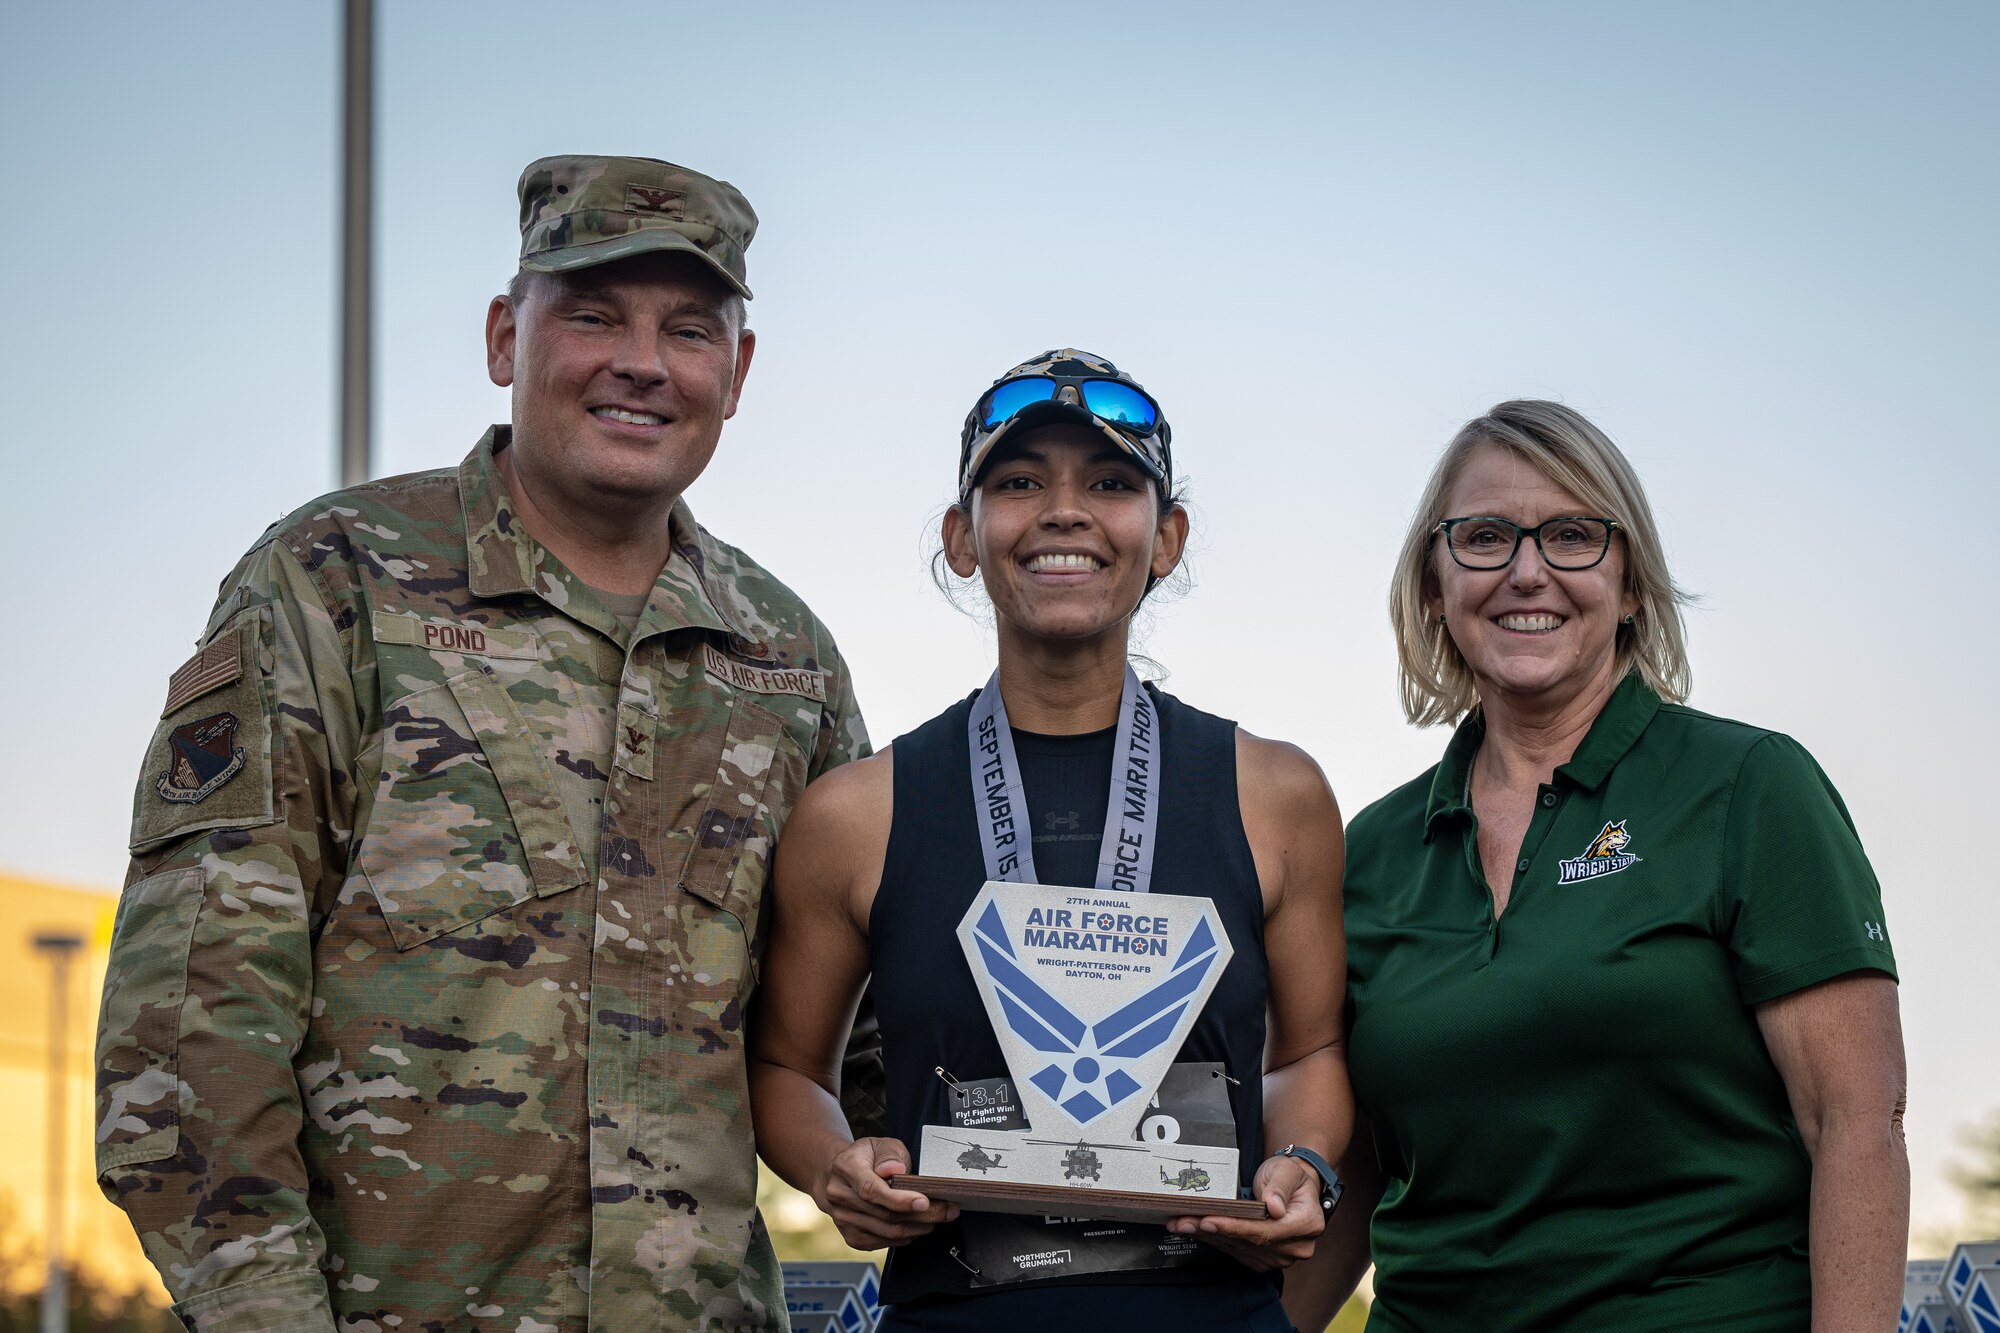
{"x":93,"y":1308}
{"x":1979,"y":1181}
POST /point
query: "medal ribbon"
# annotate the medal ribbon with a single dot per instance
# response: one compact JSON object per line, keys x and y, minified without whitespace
{"x":1125,"y":857}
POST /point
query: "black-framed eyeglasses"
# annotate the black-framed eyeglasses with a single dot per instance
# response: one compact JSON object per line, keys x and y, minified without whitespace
{"x":1571,"y":542}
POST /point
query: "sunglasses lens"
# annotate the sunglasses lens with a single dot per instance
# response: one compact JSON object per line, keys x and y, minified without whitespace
{"x":1121,"y":405}
{"x":1014,"y":395}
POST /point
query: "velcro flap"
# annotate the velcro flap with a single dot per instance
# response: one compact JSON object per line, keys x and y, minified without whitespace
{"x":209,"y":763}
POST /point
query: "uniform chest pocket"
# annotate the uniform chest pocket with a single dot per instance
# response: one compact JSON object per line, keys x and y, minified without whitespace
{"x":747,"y":797}
{"x":466,"y":820}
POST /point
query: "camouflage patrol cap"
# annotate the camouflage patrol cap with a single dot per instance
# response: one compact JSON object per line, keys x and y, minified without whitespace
{"x":976,"y":442}
{"x":579,"y":211}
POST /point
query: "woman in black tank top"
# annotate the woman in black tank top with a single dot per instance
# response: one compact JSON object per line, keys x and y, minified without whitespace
{"x":1066,"y":513}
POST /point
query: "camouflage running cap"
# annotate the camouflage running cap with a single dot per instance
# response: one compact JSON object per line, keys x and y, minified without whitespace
{"x":579,"y":211}
{"x":1069,"y":368}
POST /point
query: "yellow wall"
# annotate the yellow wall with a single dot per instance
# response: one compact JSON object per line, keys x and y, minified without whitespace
{"x":99,"y":1242}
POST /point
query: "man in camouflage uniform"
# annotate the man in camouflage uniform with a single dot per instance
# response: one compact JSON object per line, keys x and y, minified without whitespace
{"x":425,"y":1006}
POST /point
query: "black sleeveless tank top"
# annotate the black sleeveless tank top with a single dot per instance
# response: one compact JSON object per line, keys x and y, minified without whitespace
{"x":929,"y":1008}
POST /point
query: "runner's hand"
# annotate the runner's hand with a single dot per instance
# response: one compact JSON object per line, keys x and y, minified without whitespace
{"x":1287,"y":1233}
{"x":869,"y":1211}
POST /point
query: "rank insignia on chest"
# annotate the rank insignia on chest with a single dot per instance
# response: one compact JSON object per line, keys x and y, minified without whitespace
{"x":203,"y":755}
{"x":1606,"y":855}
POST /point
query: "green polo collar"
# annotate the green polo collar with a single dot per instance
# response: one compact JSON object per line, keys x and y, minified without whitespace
{"x":501,"y":558}
{"x":1625,"y":717}
{"x":1617,"y":729}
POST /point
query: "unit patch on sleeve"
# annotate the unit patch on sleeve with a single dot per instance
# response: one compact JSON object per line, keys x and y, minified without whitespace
{"x":763,"y":680}
{"x":203,"y":756}
{"x":1606,"y":855}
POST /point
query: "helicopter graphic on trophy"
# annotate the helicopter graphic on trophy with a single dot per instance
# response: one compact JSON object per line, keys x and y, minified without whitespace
{"x":976,"y":1157}
{"x":1090,"y":994}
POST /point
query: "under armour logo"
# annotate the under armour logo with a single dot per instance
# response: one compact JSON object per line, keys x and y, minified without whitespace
{"x":1874,"y":929}
{"x":1071,"y":821}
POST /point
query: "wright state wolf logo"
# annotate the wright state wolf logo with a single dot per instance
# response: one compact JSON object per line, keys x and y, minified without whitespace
{"x":1605,"y":856}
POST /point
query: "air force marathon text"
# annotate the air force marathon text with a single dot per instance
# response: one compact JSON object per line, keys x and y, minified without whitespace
{"x":1088,"y":930}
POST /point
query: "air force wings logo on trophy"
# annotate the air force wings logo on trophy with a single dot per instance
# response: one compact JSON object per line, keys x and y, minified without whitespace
{"x":1091,"y":994}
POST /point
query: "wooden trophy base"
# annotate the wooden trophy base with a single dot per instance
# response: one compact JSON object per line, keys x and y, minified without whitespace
{"x":1007,"y":1196}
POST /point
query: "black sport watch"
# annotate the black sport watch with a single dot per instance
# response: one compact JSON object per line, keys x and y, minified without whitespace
{"x":1330,"y":1188}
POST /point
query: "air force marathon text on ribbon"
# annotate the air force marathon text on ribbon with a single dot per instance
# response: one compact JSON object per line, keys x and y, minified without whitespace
{"x":1125,"y":857}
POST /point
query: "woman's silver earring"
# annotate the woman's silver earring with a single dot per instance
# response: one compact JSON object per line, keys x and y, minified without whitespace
{"x":1630,"y":620}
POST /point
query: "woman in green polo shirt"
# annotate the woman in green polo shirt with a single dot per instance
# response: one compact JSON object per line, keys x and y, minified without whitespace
{"x":1623,"y":1005}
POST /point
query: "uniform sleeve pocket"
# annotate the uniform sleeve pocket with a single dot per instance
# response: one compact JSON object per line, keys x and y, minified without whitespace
{"x":138,"y":1035}
{"x":209,"y":763}
{"x":466,"y":821}
{"x":757,"y":780}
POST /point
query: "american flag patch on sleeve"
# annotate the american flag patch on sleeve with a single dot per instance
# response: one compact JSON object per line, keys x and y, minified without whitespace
{"x":213,"y":667}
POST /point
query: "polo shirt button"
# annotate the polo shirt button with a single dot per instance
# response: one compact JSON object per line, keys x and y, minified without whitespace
{"x":1548,"y":798}
{"x":1523,"y":865}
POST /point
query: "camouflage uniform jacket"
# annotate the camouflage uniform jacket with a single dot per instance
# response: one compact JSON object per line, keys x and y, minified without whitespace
{"x":384,"y":1035}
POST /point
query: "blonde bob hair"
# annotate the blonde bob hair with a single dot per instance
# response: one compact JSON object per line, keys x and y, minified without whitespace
{"x":1436,"y":683}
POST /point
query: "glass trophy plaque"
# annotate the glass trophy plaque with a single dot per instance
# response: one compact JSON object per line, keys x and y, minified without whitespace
{"x":1090,"y":994}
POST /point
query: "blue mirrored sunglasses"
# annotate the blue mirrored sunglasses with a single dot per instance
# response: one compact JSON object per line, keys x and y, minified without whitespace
{"x":1111,"y":401}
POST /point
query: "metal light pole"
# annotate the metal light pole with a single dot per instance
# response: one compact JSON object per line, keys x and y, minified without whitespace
{"x":60,"y":948}
{"x":357,"y":248}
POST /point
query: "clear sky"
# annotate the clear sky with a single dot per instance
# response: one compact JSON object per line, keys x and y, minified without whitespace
{"x":1753,"y":241}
